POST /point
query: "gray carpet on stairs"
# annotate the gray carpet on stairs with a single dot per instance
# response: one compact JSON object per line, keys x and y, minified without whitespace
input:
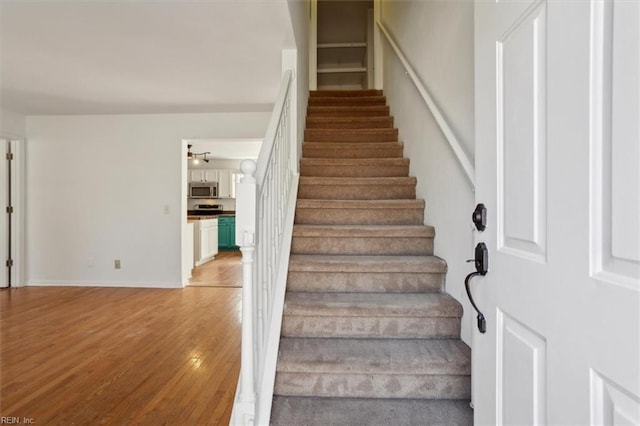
{"x":368,"y":335}
{"x":301,"y":411}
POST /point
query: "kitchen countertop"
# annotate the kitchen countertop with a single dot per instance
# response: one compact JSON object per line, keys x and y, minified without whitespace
{"x":193,"y":218}
{"x":196,"y":218}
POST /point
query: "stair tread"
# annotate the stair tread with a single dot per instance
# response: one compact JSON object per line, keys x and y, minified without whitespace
{"x":356,"y":161}
{"x":347,"y":93}
{"x":323,"y":411}
{"x":365,"y":98}
{"x":352,"y":150}
{"x":408,"y":231}
{"x":372,"y":130}
{"x":347,"y":108}
{"x":427,"y":305}
{"x":359,"y":204}
{"x":319,"y":119}
{"x":376,"y":181}
{"x":348,"y":145}
{"x":363,"y":263}
{"x":374,"y":356}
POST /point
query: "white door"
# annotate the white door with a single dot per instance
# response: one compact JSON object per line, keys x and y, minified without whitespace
{"x":558,"y":160}
{"x":4,"y":221}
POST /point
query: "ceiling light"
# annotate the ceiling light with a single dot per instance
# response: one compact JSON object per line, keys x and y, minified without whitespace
{"x":194,"y":155}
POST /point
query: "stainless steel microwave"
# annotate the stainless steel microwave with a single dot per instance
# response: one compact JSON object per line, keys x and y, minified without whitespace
{"x":203,"y":190}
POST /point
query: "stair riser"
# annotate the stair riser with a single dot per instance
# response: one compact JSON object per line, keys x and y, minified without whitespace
{"x":344,"y":93}
{"x":373,"y":385}
{"x":346,"y":123}
{"x":370,"y":327}
{"x":362,"y":245}
{"x":338,"y":170}
{"x":291,"y":410}
{"x":314,"y":111}
{"x":316,"y":150}
{"x":351,"y":135}
{"x":356,"y":192}
{"x":359,"y":216}
{"x":347,"y":101}
{"x":364,"y":282}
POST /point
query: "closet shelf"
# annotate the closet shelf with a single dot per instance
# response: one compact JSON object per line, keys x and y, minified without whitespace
{"x":334,"y":70}
{"x":341,"y":45}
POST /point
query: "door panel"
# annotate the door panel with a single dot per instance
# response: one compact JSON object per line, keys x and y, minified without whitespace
{"x":557,"y":154}
{"x":612,"y":405}
{"x":521,"y":363}
{"x":521,"y":133}
{"x":615,"y":181}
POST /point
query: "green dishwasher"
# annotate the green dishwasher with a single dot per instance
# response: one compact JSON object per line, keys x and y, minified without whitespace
{"x":227,"y":233}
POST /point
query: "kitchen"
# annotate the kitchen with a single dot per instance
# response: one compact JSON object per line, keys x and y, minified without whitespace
{"x":210,"y":255}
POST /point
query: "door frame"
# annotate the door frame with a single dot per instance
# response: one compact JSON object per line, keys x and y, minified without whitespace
{"x":18,"y":245}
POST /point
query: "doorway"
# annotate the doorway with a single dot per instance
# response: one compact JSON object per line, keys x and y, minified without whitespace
{"x":341,"y":45}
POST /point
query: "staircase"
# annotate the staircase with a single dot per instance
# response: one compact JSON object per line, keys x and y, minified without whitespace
{"x":369,"y":337}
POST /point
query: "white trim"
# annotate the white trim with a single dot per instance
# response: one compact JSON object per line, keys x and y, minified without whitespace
{"x":378,"y":57}
{"x":455,"y":145}
{"x":117,"y":284}
{"x":18,"y":202}
{"x":313,"y":45}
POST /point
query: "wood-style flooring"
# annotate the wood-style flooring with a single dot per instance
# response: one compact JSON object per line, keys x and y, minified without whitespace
{"x":90,"y":356}
{"x":224,"y":271}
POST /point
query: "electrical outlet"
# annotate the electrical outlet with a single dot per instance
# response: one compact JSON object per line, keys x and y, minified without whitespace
{"x":116,"y":264}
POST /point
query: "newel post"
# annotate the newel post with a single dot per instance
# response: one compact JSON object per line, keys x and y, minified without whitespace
{"x":245,"y":238}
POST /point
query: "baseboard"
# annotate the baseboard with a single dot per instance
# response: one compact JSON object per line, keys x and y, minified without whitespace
{"x":116,"y":284}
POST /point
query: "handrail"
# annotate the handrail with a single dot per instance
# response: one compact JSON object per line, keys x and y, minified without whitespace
{"x":273,"y":126}
{"x":265,"y":207}
{"x":459,"y":152}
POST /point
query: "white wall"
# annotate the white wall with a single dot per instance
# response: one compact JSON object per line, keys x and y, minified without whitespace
{"x":300,"y":12}
{"x":101,"y":188}
{"x":12,"y":124}
{"x":437,"y":38}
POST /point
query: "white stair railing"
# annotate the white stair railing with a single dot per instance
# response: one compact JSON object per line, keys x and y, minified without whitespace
{"x":265,"y":206}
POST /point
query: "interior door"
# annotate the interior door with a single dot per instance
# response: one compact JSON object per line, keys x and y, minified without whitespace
{"x":557,"y":160}
{"x":4,"y":217}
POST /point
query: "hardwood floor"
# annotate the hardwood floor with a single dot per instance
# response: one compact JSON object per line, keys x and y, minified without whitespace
{"x":85,"y":355}
{"x":224,"y":271}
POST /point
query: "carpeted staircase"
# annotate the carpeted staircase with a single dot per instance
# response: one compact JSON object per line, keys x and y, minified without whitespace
{"x":369,"y":337}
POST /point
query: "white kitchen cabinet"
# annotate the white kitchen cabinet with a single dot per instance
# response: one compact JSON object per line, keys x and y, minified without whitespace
{"x":205,"y":240}
{"x":204,"y":175}
{"x":235,"y":178}
{"x":224,"y":183}
{"x":227,"y":183}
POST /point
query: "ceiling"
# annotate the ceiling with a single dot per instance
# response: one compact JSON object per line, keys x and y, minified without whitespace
{"x":131,"y":56}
